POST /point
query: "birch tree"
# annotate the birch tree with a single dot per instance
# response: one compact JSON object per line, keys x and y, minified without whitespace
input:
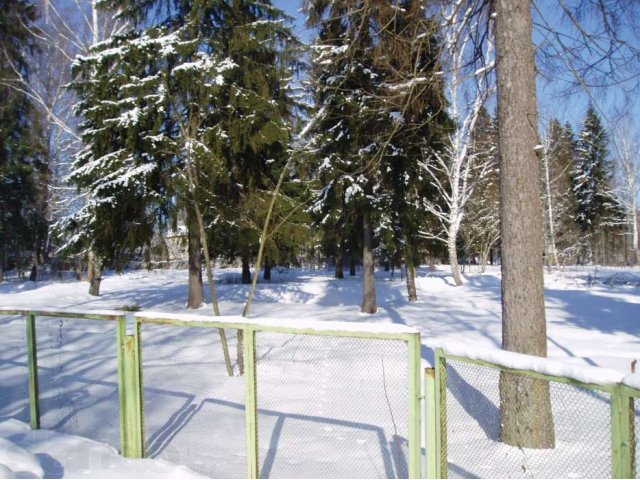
{"x":456,"y":172}
{"x":626,"y":149}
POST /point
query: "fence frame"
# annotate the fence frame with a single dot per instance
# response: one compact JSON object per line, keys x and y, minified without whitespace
{"x":621,"y":408}
{"x":130,"y":445}
{"x":355,"y":330}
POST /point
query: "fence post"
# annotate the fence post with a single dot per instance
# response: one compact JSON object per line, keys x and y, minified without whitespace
{"x":622,"y":448}
{"x":415,"y":430}
{"x":130,"y":392}
{"x":441,"y":412}
{"x":251,"y":419}
{"x":32,"y":354}
{"x":431,"y":421}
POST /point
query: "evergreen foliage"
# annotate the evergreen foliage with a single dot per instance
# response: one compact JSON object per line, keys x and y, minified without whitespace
{"x":379,"y":106}
{"x":23,"y":165}
{"x":200,"y":82}
{"x":592,"y":174}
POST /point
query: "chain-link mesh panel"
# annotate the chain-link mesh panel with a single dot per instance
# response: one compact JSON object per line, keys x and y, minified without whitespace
{"x":581,"y":419}
{"x":78,"y":377}
{"x":332,"y":407}
{"x":14,"y":388}
{"x":194,"y":412}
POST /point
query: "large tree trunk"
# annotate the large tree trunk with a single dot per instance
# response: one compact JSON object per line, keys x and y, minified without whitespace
{"x":369,"y":304}
{"x":196,"y":289}
{"x":526,"y":419}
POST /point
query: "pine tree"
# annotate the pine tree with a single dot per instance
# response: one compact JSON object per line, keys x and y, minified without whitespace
{"x":22,"y":154}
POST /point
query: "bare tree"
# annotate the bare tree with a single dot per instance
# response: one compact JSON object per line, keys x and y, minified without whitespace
{"x":627,"y":159}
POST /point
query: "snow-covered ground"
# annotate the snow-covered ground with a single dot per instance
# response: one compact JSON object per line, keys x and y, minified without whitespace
{"x":320,"y":401}
{"x":592,"y":312}
{"x":47,"y":454}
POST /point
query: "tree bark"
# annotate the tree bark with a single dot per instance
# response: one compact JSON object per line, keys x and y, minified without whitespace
{"x":33,"y":276}
{"x":196,"y":288}
{"x":369,"y":304}
{"x":246,"y":268}
{"x":340,"y":258}
{"x":412,"y":292}
{"x":96,"y":278}
{"x":267,"y":269}
{"x":526,"y":419}
{"x":453,"y":255}
{"x":352,"y":266}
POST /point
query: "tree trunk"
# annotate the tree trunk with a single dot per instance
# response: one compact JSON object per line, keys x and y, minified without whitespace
{"x":246,"y":268}
{"x":552,"y":254}
{"x":196,"y":288}
{"x":340,"y":259}
{"x":634,"y":231}
{"x":412,"y":292}
{"x":3,"y":263}
{"x":526,"y":419}
{"x":33,"y":276}
{"x":352,"y":266}
{"x":411,"y":282}
{"x":453,"y":255}
{"x":369,"y":304}
{"x":267,"y":269}
{"x":96,"y":278}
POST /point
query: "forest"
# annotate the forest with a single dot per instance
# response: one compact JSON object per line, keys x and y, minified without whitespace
{"x":129,"y":125}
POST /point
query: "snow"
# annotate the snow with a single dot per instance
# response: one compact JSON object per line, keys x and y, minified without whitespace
{"x":321,"y":412}
{"x":585,"y":374}
{"x":632,"y":380}
{"x":48,"y":454}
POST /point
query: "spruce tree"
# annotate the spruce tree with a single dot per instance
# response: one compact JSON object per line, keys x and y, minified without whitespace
{"x":22,"y":153}
{"x":592,"y":174}
{"x":597,"y":213}
{"x":373,"y":94}
{"x":204,"y":81}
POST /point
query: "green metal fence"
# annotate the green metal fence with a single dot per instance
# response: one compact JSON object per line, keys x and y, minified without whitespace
{"x":73,"y":370}
{"x":326,"y":399}
{"x":322,"y":399}
{"x":14,"y":385}
{"x":593,"y":424}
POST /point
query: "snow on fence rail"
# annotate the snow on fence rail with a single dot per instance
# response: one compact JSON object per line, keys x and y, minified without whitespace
{"x":317,"y":399}
{"x":593,"y":410}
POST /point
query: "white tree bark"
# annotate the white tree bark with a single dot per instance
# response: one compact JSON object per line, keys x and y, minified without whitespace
{"x":454,"y":172}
